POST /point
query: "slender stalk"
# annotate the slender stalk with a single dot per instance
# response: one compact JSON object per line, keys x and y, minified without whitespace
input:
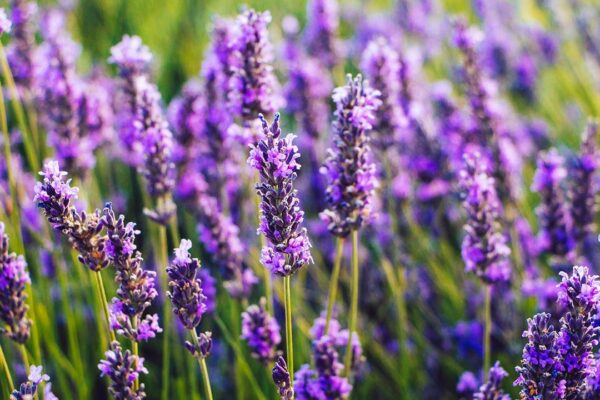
{"x":135,"y":350}
{"x":487,"y":310}
{"x":6,"y":370}
{"x":24,"y":356}
{"x":166,"y":350}
{"x":102,"y":295}
{"x":333,"y":284}
{"x":289,"y":341}
{"x":203,"y":368}
{"x":354,"y":302}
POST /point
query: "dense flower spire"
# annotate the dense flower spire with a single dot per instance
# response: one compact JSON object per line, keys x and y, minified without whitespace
{"x":579,"y":333}
{"x":253,"y":87}
{"x":583,"y":188}
{"x":555,"y":235}
{"x":492,"y":390}
{"x":55,"y":196}
{"x":351,"y":174}
{"x":381,"y":65}
{"x":28,"y":390}
{"x":123,"y":369}
{"x":484,"y":248}
{"x":281,"y":378}
{"x":21,"y":50}
{"x":320,"y":35}
{"x":275,"y":158}
{"x":13,"y":279}
{"x":537,"y":373}
{"x":136,"y":289}
{"x":261,"y":331}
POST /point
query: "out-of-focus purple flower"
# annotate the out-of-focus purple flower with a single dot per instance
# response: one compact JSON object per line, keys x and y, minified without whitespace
{"x":55,"y":196}
{"x":131,"y":56}
{"x":467,"y":385}
{"x":579,"y":333}
{"x":253,"y":87}
{"x":484,"y":247}
{"x":136,"y":289}
{"x":583,"y":188}
{"x":492,"y":390}
{"x":525,"y":77}
{"x":209,"y":289}
{"x":281,"y":378}
{"x":351,"y":174}
{"x":21,"y":50}
{"x":537,"y":373}
{"x":185,"y":290}
{"x":13,"y":279}
{"x":5,"y":23}
{"x":321,"y":32}
{"x":381,"y":65}
{"x":275,"y":158}
{"x":123,"y":369}
{"x":555,"y":234}
{"x":96,"y":114}
{"x":28,"y":390}
{"x":261,"y":331}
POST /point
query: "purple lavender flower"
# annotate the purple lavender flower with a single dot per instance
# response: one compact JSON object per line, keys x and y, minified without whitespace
{"x":320,"y":35}
{"x":484,"y":248}
{"x":578,"y":336}
{"x":281,"y":378}
{"x":21,"y":50}
{"x":275,"y":158}
{"x":60,"y":93}
{"x":28,"y":390}
{"x":13,"y":278}
{"x":209,"y":289}
{"x":253,"y":87}
{"x":537,"y":373}
{"x":381,"y":64}
{"x":467,"y":385}
{"x":491,"y":390}
{"x":185,"y":290}
{"x":136,"y":289}
{"x":352,"y":180}
{"x":261,"y":331}
{"x":5,"y":23}
{"x":123,"y":369}
{"x":555,"y":235}
{"x":55,"y":196}
{"x":583,"y":188}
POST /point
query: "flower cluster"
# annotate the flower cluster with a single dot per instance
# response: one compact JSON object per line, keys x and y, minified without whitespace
{"x":123,"y":369}
{"x":351,"y":174}
{"x":13,"y":278}
{"x":275,"y":158}
{"x":484,"y":247}
{"x":261,"y":331}
{"x":136,"y":289}
{"x":492,"y":389}
{"x":21,"y":51}
{"x":321,"y":36}
{"x":28,"y":390}
{"x":281,"y":378}
{"x":55,"y":196}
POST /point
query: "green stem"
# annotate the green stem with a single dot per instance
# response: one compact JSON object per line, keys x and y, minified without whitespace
{"x":6,"y":370}
{"x":487,"y":310}
{"x":333,"y":284}
{"x":354,"y":302}
{"x":102,"y":295}
{"x":135,"y":350}
{"x":289,"y":341}
{"x":162,"y":265}
{"x":24,"y":356}
{"x":203,"y":368}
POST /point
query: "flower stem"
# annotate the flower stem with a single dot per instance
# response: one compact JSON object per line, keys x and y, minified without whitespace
{"x":135,"y":350}
{"x":333,"y":284}
{"x":289,"y":342}
{"x":487,"y":310}
{"x":6,"y":370}
{"x":354,"y":302}
{"x":203,"y":368}
{"x":24,"y":356}
{"x":162,"y":265}
{"x":102,"y":295}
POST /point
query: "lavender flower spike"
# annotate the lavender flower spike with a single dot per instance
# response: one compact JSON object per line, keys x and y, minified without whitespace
{"x":321,"y":34}
{"x":123,"y":369}
{"x":261,"y":332}
{"x":492,"y":390}
{"x":484,"y":248}
{"x":555,"y":235}
{"x":20,"y":52}
{"x":281,"y":378}
{"x":13,"y":278}
{"x":579,"y":333}
{"x":583,"y":189}
{"x":275,"y":158}
{"x":352,"y":177}
{"x":28,"y":390}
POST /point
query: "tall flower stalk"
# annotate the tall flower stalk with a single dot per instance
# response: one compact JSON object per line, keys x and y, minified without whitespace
{"x":275,"y":157}
{"x":352,"y":176}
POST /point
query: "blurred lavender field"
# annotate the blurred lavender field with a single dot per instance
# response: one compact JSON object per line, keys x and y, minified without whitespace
{"x":307,"y":200}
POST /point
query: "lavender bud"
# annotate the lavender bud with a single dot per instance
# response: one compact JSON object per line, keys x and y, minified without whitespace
{"x":123,"y":369}
{"x":492,"y":390}
{"x":13,"y":278}
{"x":281,"y":378}
{"x":261,"y":331}
{"x":204,"y":346}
